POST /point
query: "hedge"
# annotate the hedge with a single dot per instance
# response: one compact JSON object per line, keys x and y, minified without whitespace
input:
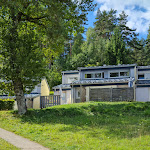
{"x":6,"y":104}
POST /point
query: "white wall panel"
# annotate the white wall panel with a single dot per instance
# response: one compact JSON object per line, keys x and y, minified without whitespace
{"x":142,"y":94}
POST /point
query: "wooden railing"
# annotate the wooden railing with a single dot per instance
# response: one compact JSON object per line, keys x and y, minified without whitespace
{"x":48,"y":101}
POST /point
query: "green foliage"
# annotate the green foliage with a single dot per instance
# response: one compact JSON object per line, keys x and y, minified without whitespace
{"x":105,"y":23}
{"x":84,"y":125}
{"x":147,"y":48}
{"x":6,"y":104}
{"x":116,"y":49}
{"x":4,"y":145}
{"x":54,"y":77}
{"x":51,"y":93}
{"x":139,"y":53}
{"x":31,"y":34}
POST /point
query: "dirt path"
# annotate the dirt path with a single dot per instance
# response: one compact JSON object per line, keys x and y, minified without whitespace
{"x":19,"y":141}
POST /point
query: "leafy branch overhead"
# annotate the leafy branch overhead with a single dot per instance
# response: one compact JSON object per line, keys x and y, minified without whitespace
{"x":32,"y":32}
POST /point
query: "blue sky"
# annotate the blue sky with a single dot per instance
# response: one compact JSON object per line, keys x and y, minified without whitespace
{"x":138,"y":12}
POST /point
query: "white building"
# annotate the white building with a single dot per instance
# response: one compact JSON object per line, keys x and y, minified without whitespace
{"x":105,"y":83}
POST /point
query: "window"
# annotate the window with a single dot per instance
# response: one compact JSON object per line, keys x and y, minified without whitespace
{"x":70,"y":80}
{"x":124,"y":74}
{"x":95,"y":75}
{"x":77,"y":94}
{"x":119,"y":74}
{"x":88,"y":75}
{"x":141,"y":76}
{"x":102,"y":74}
{"x":114,"y":74}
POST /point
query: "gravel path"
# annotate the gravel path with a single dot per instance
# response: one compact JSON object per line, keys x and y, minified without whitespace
{"x":19,"y":141}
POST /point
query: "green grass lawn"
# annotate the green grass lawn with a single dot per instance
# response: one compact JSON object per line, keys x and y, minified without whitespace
{"x":85,"y":126}
{"x":6,"y":146}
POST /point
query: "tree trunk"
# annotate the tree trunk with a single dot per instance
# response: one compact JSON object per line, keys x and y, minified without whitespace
{"x":18,"y":88}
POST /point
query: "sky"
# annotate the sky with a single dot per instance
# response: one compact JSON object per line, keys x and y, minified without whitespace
{"x":138,"y":12}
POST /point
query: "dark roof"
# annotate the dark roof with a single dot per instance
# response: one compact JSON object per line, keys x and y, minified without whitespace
{"x":109,"y":66}
{"x":70,"y":71}
{"x":143,"y":82}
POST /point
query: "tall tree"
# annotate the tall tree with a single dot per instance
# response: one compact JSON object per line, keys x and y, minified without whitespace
{"x":147,"y":47}
{"x":26,"y":28}
{"x":105,"y":23}
{"x":139,"y":54}
{"x":116,"y":50}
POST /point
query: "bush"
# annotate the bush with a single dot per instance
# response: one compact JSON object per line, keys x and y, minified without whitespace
{"x":6,"y":104}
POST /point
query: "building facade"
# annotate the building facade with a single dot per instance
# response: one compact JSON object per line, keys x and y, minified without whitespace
{"x":105,"y":83}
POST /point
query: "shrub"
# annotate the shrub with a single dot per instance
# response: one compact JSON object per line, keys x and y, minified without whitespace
{"x":6,"y":104}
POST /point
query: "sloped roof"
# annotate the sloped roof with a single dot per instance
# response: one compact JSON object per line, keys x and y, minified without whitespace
{"x":95,"y":81}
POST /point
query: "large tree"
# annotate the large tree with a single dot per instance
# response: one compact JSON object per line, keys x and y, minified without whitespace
{"x":116,"y":52}
{"x":147,"y":47}
{"x":28,"y":30}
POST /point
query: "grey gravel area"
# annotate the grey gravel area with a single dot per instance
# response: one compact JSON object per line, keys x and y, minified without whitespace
{"x":19,"y":141}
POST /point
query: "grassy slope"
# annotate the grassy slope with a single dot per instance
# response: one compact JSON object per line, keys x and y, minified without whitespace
{"x":97,"y":126}
{"x":6,"y":146}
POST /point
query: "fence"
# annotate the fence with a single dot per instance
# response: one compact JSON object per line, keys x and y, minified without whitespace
{"x":112,"y":94}
{"x":48,"y":101}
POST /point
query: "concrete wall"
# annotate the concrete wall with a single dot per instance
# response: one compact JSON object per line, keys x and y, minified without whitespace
{"x":65,"y":78}
{"x":36,"y":103}
{"x":44,"y":88}
{"x":142,"y":94}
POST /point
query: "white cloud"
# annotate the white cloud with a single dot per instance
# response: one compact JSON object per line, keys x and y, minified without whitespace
{"x":138,"y":12}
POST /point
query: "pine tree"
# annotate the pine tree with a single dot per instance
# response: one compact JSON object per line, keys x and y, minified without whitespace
{"x":147,"y":47}
{"x":116,"y":50}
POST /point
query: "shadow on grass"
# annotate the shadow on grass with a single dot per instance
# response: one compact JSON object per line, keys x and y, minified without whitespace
{"x":121,"y":120}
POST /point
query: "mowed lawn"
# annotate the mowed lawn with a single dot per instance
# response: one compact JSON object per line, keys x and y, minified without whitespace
{"x":85,"y":126}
